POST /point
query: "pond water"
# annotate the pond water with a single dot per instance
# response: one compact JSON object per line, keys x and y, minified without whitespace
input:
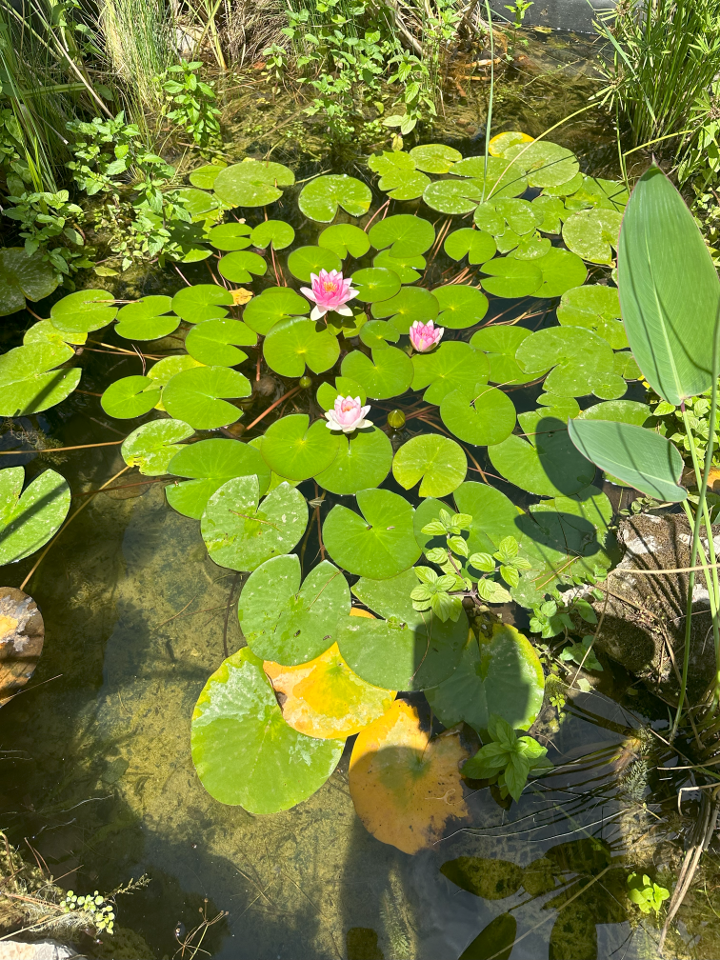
{"x":96,"y":771}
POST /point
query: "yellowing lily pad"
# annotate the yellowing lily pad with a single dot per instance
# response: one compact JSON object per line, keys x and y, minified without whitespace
{"x":325,"y":699}
{"x":405,"y":786}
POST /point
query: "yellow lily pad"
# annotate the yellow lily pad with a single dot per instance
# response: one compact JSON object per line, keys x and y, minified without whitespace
{"x":325,"y":699}
{"x":405,"y":786}
{"x":501,"y":141}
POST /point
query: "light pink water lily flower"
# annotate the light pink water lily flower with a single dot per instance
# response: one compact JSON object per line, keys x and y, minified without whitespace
{"x":425,"y":336}
{"x":330,"y":291}
{"x":348,"y":415}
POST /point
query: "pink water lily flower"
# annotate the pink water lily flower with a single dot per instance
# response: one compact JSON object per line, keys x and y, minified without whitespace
{"x":330,"y":291}
{"x":348,"y":415}
{"x":425,"y":336}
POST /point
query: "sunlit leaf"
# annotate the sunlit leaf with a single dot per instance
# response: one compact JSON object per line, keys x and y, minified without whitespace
{"x":437,"y":462}
{"x":208,"y":465}
{"x":29,"y":518}
{"x":320,"y":198}
{"x":547,"y":465}
{"x":499,"y":344}
{"x":30,"y":382}
{"x":388,"y":374}
{"x":580,"y":362}
{"x":273,"y":305}
{"x":304,"y":261}
{"x":375,"y":283}
{"x":461,"y":306}
{"x":199,"y":396}
{"x":252,"y":183}
{"x":546,"y":164}
{"x":480,"y":415}
{"x":477,"y":245}
{"x":363,"y":461}
{"x":130,"y":397}
{"x":296,"y":341}
{"x":593,"y":234}
{"x":241,"y":266}
{"x":23,"y":275}
{"x":215,"y":342}
{"x":454,"y":365}
{"x":407,"y":306}
{"x":297,"y":450}
{"x":153,"y":445}
{"x":204,"y":301}
{"x":345,"y":239}
{"x":404,"y":235}
{"x":230,"y":236}
{"x":277,"y":233}
{"x":594,"y":307}
{"x":84,"y":311}
{"x":434,"y":157}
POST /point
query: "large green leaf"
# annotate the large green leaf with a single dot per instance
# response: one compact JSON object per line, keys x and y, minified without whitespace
{"x":546,"y":164}
{"x":199,"y":396}
{"x":230,"y":236}
{"x":296,"y":341}
{"x":499,"y":344}
{"x":241,"y":266}
{"x":295,"y":450}
{"x":130,"y":397}
{"x":478,"y":246}
{"x":215,"y":342}
{"x":208,"y":465}
{"x":561,"y":270}
{"x":252,"y":183}
{"x":153,"y":445}
{"x":84,"y":311}
{"x":272,"y":306}
{"x":596,"y":308}
{"x":240,"y":534}
{"x":363,"y":461}
{"x":304,"y":261}
{"x":437,"y":462}
{"x":579,"y":360}
{"x":29,"y":520}
{"x":244,"y":752}
{"x":288,"y":623}
{"x":461,"y":306}
{"x":547,"y":465}
{"x":454,"y":197}
{"x":345,"y":239}
{"x":641,"y":458}
{"x":593,"y":234}
{"x":387,"y":375}
{"x":147,"y":319}
{"x":435,"y":157}
{"x":403,"y":234}
{"x":669,"y":290}
{"x":407,"y":306}
{"x":380,"y":543}
{"x":28,"y":381}
{"x":509,"y":277}
{"x":480,"y":415}
{"x":272,"y":232}
{"x":204,"y":301}
{"x":375,"y":283}
{"x":23,"y":275}
{"x":320,"y":198}
{"x":454,"y":365}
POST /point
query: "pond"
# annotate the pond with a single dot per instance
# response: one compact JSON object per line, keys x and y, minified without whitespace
{"x":97,"y":774}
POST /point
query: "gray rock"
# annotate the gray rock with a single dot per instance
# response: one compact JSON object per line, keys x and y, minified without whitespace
{"x":40,"y":950}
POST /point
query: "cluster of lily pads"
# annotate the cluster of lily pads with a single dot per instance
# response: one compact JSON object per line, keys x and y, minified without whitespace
{"x":363,"y":624}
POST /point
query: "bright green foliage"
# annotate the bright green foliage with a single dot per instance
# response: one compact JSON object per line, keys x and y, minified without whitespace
{"x":30,"y":381}
{"x":29,"y":518}
{"x":645,"y":894}
{"x":375,"y":283}
{"x":199,"y":396}
{"x":481,"y":415}
{"x":130,"y":397}
{"x":407,"y":306}
{"x":241,"y":266}
{"x":345,"y":239}
{"x":593,"y":234}
{"x":153,"y":445}
{"x":438,"y":463}
{"x":230,"y":236}
{"x":319,"y":200}
{"x":403,"y":235}
{"x":296,"y":341}
{"x":508,"y":758}
{"x":500,"y":345}
{"x":148,"y":319}
{"x":275,"y":233}
{"x":460,"y":306}
{"x":547,"y":464}
{"x":203,"y":301}
{"x":363,"y":461}
{"x":191,"y":104}
{"x":23,"y":275}
{"x":596,"y":308}
{"x":252,"y":183}
{"x":84,"y":311}
{"x":208,"y":465}
{"x":478,"y":246}
{"x":580,"y":362}
{"x":296,"y":450}
{"x":388,"y":374}
{"x":454,"y":365}
{"x":216,"y":342}
{"x":306,"y":260}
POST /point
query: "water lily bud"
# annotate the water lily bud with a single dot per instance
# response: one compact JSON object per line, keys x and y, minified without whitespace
{"x":396,"y":419}
{"x":305,"y":382}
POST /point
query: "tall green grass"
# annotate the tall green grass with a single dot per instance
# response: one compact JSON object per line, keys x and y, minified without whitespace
{"x":139,"y":42}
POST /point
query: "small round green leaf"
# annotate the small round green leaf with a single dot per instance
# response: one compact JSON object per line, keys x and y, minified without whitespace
{"x":477,"y":245}
{"x":208,"y":465}
{"x":320,"y":198}
{"x":454,"y":197}
{"x":481,"y":415}
{"x":375,"y":283}
{"x":345,"y":239}
{"x":297,"y":341}
{"x":597,"y":308}
{"x":216,"y":342}
{"x":501,"y":179}
{"x":399,"y":177}
{"x":28,"y":381}
{"x":252,"y":183}
{"x":593,"y":234}
{"x":406,"y":268}
{"x":561,"y":270}
{"x":84,"y":311}
{"x":275,"y":232}
{"x":512,"y":278}
{"x":363,"y":461}
{"x":273,"y":305}
{"x":27,"y":522}
{"x":460,"y":306}
{"x":500,"y":344}
{"x":404,"y":235}
{"x":452,"y":366}
{"x":407,"y":306}
{"x":204,"y":301}
{"x":153,"y":445}
{"x":199,"y":396}
{"x":306,"y":260}
{"x":230,"y":236}
{"x":130,"y":397}
{"x":389,"y":373}
{"x":546,"y":164}
{"x":297,"y":451}
{"x":144,"y":320}
{"x":378,"y":333}
{"x":241,"y":266}
{"x":438,"y":462}
{"x":434,"y":157}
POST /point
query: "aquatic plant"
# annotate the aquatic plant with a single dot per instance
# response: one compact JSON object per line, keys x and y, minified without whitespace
{"x":329,"y":292}
{"x":348,"y":415}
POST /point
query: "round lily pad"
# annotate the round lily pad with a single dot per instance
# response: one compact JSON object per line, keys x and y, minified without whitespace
{"x":502,"y":141}
{"x":216,"y":342}
{"x":199,"y":396}
{"x":325,"y":698}
{"x":230,"y":236}
{"x":378,"y":333}
{"x":480,"y":415}
{"x":593,"y":234}
{"x":29,"y":518}
{"x":240,"y":267}
{"x":375,"y":283}
{"x":130,"y":397}
{"x":146,"y":319}
{"x":344,"y":387}
{"x":460,"y":306}
{"x":304,"y":261}
{"x":273,"y":305}
{"x":201,"y":205}
{"x":512,"y":278}
{"x":164,"y":370}
{"x":296,"y":450}
{"x":532,"y":249}
{"x":583,"y":362}
{"x":363,"y":461}
{"x":320,"y":198}
{"x":597,"y":308}
{"x":549,"y":466}
{"x":546,"y":164}
{"x":244,"y":752}
{"x":493,"y":515}
{"x":477,"y":245}
{"x":452,"y":366}
{"x":561,"y":270}
{"x":454,"y":197}
{"x":499,"y":344}
{"x":550,"y":213}
{"x":297,"y":341}
{"x":345,"y":239}
{"x":404,"y":235}
{"x":378,"y":544}
{"x":618,"y":411}
{"x":407,"y":306}
{"x":240,"y":534}
{"x":23,"y":275}
{"x":288,"y":623}
{"x":204,"y":177}
{"x":488,"y":219}
{"x":399,"y":177}
{"x":45,"y":332}
{"x":388,"y":374}
{"x":29,"y":380}
{"x":252,"y":183}
{"x":208,"y":465}
{"x":84,"y":311}
{"x":501,"y":179}
{"x":272,"y":232}
{"x":203,"y":301}
{"x":406,"y":267}
{"x":434,"y":157}
{"x":437,"y":462}
{"x":153,"y":445}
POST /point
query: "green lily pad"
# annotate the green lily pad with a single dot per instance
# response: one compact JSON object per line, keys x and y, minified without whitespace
{"x":377,"y":333}
{"x":296,"y":450}
{"x":454,"y":197}
{"x":579,"y":360}
{"x":438,"y":463}
{"x":84,"y":311}
{"x":532,"y":249}
{"x":297,"y":341}
{"x":29,"y":382}
{"x":618,"y":411}
{"x":380,"y":543}
{"x":199,"y":396}
{"x":593,"y":234}
{"x":519,"y":215}
{"x":512,"y":278}
{"x":375,"y":283}
{"x":434,"y":157}
{"x":240,"y":267}
{"x":406,"y":268}
{"x":399,"y":177}
{"x":44,"y":332}
{"x":363,"y":461}
{"x":549,"y":466}
{"x":146,"y":319}
{"x":389,"y":373}
{"x":23,"y":275}
{"x":500,"y":344}
{"x":494,"y":517}
{"x":230,"y":236}
{"x":561,"y":270}
{"x":208,"y":465}
{"x":252,"y":183}
{"x":306,"y":260}
{"x":344,"y":387}
{"x":320,"y":198}
{"x":29,"y":520}
{"x":273,"y":305}
{"x":204,"y":177}
{"x":481,"y":415}
{"x":461,"y":306}
{"x":153,"y":445}
{"x":164,"y":370}
{"x":216,"y":342}
{"x":244,"y":752}
{"x":545,"y":164}
{"x":272,"y":232}
{"x":240,"y":534}
{"x":130,"y":397}
{"x":477,"y":245}
{"x":288,"y":623}
{"x":201,"y":205}
{"x":404,"y":234}
{"x":597,"y":308}
{"x":452,"y":366}
{"x":204,"y":301}
{"x":501,"y":676}
{"x":407,"y":650}
{"x":596,"y":192}
{"x":407,"y":306}
{"x":488,"y":219}
{"x":501,"y":181}
{"x":344,"y":239}
{"x":549,"y":213}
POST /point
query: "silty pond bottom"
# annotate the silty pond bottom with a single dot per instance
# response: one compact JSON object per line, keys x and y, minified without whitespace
{"x":96,"y":771}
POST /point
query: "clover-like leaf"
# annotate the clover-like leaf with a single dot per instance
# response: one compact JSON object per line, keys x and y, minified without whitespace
{"x":403,"y":234}
{"x":399,"y":177}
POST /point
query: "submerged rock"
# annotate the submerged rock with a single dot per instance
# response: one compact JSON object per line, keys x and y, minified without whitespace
{"x":40,"y":950}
